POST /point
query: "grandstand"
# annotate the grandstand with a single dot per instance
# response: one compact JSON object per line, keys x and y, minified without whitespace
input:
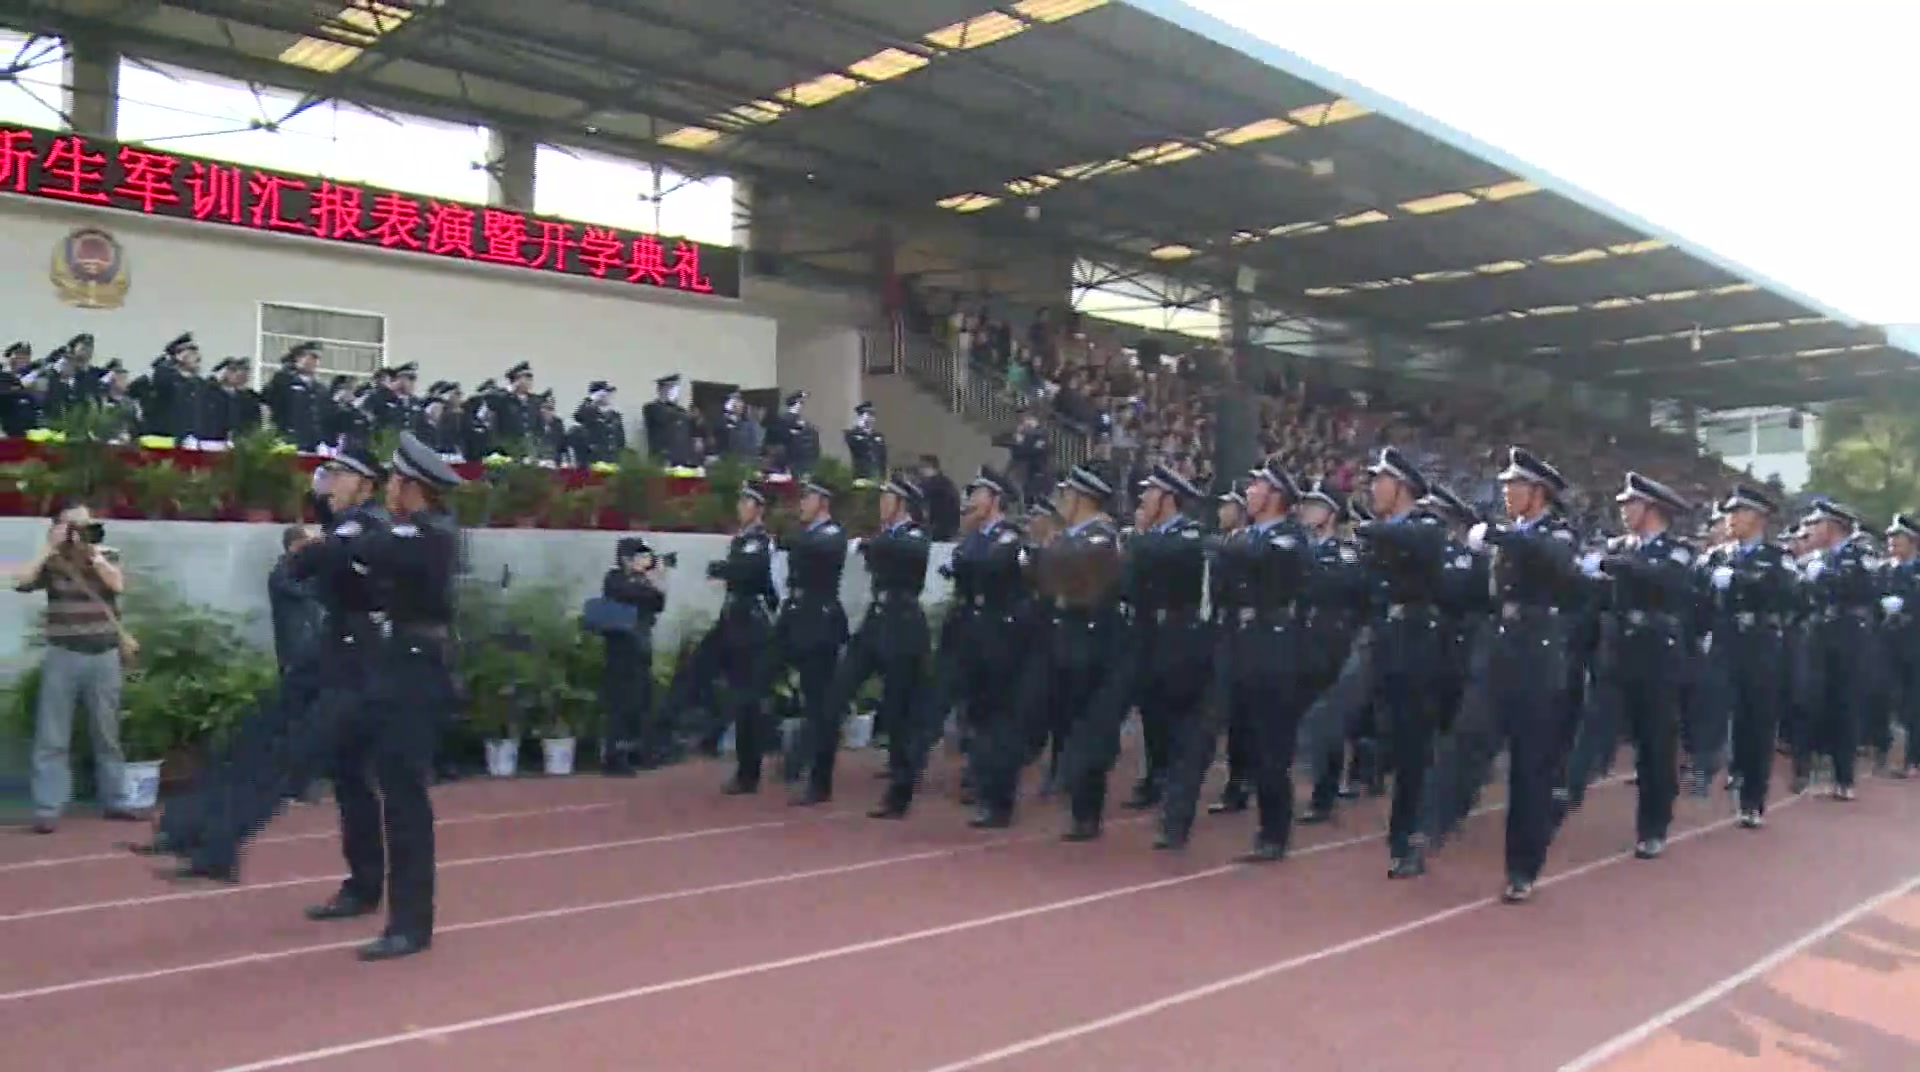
{"x":1154,"y":141}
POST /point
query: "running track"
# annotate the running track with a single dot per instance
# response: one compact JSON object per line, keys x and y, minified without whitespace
{"x":655,"y":926}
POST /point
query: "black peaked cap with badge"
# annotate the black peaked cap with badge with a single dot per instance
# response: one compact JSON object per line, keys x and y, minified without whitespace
{"x":355,"y":459}
{"x":1443,"y":500}
{"x":1645,"y":489}
{"x":1172,"y":483}
{"x":1393,"y":462}
{"x":751,"y":490}
{"x":417,"y":461}
{"x":1090,"y":482}
{"x":1904,"y":525}
{"x":1748,"y":497}
{"x":1523,"y":466}
{"x":1274,"y":476}
{"x":814,"y":487}
{"x":899,"y":485}
{"x":1316,"y":491}
{"x":1838,"y":513}
{"x":990,"y":480}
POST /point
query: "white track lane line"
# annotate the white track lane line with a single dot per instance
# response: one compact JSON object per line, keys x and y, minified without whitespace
{"x":466,"y":861}
{"x":1186,"y":997}
{"x":1627,"y":1040}
{"x":458,"y":820}
{"x":748,"y":970}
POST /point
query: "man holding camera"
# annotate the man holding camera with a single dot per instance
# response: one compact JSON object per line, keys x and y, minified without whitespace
{"x":81,"y":665}
{"x":635,"y":582}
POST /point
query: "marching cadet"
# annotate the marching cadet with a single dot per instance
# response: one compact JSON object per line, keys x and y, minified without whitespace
{"x":865,"y":445}
{"x":810,"y":630}
{"x":1076,"y":684}
{"x":410,"y":693}
{"x":1336,"y":601}
{"x":1406,"y":550}
{"x":1644,"y":654}
{"x":1166,"y":569}
{"x":1902,"y":631}
{"x":1170,"y":651}
{"x":733,"y":651}
{"x":1465,"y":583}
{"x":1752,"y":583}
{"x":1231,"y":517}
{"x":1801,"y":669}
{"x":1846,"y":589}
{"x":1533,"y":572}
{"x":294,"y":397}
{"x":893,"y":641}
{"x":983,"y":647}
{"x":1264,"y":573}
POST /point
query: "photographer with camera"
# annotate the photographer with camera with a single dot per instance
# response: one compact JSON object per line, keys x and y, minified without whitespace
{"x":82,"y":664}
{"x":632,"y":595}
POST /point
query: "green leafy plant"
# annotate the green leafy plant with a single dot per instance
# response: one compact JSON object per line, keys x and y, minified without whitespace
{"x":35,"y":481}
{"x":198,"y":494}
{"x":85,"y":464}
{"x":637,"y":488}
{"x":524,"y":492}
{"x":257,"y":475}
{"x":578,"y":508}
{"x":472,"y":502}
{"x":154,"y":489}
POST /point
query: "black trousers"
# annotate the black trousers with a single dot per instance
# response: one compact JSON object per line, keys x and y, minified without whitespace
{"x":1259,"y":675}
{"x":1753,"y":681}
{"x":387,"y":744}
{"x":626,"y":694}
{"x":892,"y":642}
{"x":1079,"y":689}
{"x":291,"y":742}
{"x":1650,"y":703}
{"x":1527,"y":676}
{"x":1845,"y":654}
{"x":980,"y":665}
{"x":1904,"y":645}
{"x":734,"y":653}
{"x":1172,"y":660}
{"x":1409,"y":703}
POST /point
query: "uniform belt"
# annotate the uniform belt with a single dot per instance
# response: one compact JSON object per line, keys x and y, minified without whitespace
{"x":1401,"y":611}
{"x":992,"y":603}
{"x":1639,"y":618}
{"x":1512,"y":610}
{"x":1249,"y":615}
{"x":1747,"y":619}
{"x":1834,"y":614}
{"x":1163,"y":615}
{"x":422,"y":630}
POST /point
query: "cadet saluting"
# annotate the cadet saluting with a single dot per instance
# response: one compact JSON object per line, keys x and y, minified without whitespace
{"x":1846,"y":591}
{"x":1903,"y":635}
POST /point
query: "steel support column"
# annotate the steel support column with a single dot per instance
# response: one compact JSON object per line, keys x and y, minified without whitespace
{"x":1235,"y":417}
{"x":92,"y":94}
{"x":510,"y":157}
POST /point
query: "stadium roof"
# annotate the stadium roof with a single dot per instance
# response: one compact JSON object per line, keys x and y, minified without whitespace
{"x":1141,"y":132}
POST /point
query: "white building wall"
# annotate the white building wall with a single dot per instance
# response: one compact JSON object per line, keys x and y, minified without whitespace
{"x":459,"y":322}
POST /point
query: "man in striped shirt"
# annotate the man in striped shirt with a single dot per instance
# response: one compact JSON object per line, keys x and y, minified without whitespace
{"x":81,"y":666}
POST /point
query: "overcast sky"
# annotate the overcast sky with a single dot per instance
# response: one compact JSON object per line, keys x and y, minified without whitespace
{"x":1767,"y":132}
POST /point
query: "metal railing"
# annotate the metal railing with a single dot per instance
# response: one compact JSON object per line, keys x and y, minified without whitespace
{"x":983,"y":399}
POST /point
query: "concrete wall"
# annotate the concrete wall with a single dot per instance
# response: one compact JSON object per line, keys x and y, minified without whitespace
{"x":224,"y":566}
{"x":915,"y":423}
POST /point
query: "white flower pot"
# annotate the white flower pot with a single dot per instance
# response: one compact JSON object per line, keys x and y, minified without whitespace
{"x":859,"y":732}
{"x":558,"y":754}
{"x":503,"y":757}
{"x":140,"y":785}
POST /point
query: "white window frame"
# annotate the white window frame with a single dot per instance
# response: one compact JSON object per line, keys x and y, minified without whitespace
{"x":266,"y":363}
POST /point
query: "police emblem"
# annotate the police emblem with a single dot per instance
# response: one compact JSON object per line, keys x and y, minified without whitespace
{"x":90,"y":269}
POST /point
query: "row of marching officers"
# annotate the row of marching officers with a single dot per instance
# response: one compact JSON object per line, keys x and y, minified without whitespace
{"x":1406,"y":631}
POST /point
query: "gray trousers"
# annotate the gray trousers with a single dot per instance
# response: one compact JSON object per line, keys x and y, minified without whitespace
{"x":70,"y":678}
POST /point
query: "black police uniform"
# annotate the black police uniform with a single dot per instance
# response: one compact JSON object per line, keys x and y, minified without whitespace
{"x":1076,"y":681}
{"x":866,"y":448}
{"x":410,"y":693}
{"x":735,"y":649}
{"x":1751,"y":599}
{"x":1535,"y":579}
{"x":1846,"y":587}
{"x":984,"y":644}
{"x":808,"y":636}
{"x":1265,"y":571}
{"x":892,"y":641}
{"x":1901,"y":607}
{"x":1644,"y":655}
{"x":295,"y":402}
{"x":669,"y":429}
{"x":1171,"y":660}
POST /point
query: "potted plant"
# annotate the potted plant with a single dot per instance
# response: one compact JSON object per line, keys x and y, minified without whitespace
{"x":34,"y":482}
{"x":472,"y":502}
{"x":257,"y":476}
{"x":198,"y":495}
{"x":577,"y":508}
{"x":636,"y":488}
{"x":85,"y":463}
{"x":524,"y":492}
{"x":154,"y":490}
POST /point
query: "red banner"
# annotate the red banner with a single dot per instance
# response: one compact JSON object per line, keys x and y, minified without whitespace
{"x":55,"y":166}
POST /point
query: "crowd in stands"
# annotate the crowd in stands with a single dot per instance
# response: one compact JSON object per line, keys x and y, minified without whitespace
{"x":1141,"y":407}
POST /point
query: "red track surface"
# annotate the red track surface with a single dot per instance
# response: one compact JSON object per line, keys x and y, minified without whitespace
{"x":654,"y":925}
